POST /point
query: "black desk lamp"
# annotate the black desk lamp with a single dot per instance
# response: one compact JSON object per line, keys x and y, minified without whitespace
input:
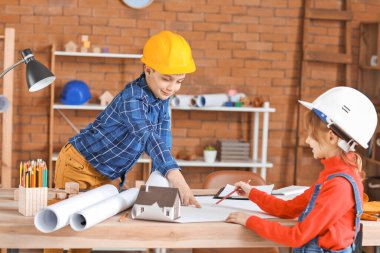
{"x":37,"y":75}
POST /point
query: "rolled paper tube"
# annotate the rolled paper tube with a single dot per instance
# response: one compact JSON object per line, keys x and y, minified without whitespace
{"x":58,"y":215}
{"x":208,"y":100}
{"x":103,"y":210}
{"x":181,"y":100}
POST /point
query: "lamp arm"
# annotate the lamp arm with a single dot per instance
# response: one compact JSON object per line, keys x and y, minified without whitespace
{"x":11,"y":67}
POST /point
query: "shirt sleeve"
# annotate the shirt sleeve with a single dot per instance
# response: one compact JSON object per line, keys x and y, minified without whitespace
{"x":134,"y":112}
{"x":165,"y":134}
{"x":334,"y":200}
{"x":165,"y":130}
{"x":278,"y":207}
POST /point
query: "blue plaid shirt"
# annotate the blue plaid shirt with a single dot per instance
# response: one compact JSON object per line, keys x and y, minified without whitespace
{"x":134,"y":122}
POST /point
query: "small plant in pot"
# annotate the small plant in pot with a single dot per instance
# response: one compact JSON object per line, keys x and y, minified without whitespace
{"x":209,"y":154}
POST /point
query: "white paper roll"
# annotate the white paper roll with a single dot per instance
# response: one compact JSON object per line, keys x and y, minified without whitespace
{"x":207,"y":100}
{"x":157,"y":179}
{"x":181,"y":100}
{"x":103,"y":210}
{"x":58,"y":215}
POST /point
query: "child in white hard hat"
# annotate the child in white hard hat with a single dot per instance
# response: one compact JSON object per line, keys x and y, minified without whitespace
{"x":329,"y":211}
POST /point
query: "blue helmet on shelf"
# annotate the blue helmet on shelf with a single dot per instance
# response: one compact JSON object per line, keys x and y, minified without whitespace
{"x":75,"y":92}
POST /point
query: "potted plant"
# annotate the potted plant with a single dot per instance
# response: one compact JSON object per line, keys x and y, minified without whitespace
{"x":209,"y":154}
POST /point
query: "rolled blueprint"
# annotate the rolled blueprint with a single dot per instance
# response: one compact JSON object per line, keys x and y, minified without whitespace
{"x":157,"y":179}
{"x":207,"y":100}
{"x":58,"y":215}
{"x":101,"y":211}
{"x":181,"y":100}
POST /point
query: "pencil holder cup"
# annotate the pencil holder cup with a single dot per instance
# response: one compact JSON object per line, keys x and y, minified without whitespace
{"x":31,"y":200}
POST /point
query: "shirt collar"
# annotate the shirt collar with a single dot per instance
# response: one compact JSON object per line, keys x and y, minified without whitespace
{"x":336,"y":163}
{"x":141,"y":81}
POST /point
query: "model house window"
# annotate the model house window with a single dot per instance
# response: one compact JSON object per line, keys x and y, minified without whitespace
{"x":142,"y":209}
{"x":167,"y":212}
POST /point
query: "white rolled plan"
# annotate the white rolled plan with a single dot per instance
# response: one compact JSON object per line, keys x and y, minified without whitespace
{"x":58,"y":215}
{"x":103,"y":210}
{"x":181,"y":100}
{"x":207,"y":100}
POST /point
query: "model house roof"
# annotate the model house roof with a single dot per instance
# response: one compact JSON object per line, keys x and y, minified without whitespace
{"x":164,"y":196}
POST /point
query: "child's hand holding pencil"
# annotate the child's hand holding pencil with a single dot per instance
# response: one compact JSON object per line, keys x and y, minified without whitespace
{"x":242,"y":188}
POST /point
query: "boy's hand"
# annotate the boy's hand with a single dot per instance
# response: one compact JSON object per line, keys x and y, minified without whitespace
{"x":243,"y":189}
{"x":238,"y":217}
{"x":177,"y":180}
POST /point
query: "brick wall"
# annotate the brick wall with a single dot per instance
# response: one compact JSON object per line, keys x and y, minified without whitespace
{"x":249,"y":45}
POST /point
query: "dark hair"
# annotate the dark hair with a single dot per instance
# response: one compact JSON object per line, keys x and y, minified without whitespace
{"x":315,"y":127}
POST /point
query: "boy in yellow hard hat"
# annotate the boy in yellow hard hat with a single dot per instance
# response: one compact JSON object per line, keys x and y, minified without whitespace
{"x":137,"y":120}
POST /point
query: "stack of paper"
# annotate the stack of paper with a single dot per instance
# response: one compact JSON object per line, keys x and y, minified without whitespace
{"x":233,"y":150}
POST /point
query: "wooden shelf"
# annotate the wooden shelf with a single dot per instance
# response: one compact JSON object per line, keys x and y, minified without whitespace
{"x":237,"y":164}
{"x":226,"y":109}
{"x":102,"y":55}
{"x":80,"y":107}
{"x":199,"y":163}
{"x":219,"y":108}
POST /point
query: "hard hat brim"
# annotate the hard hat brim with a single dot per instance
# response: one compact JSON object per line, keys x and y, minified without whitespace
{"x":306,"y":104}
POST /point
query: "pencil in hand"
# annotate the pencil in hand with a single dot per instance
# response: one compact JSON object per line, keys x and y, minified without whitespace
{"x":229,"y":194}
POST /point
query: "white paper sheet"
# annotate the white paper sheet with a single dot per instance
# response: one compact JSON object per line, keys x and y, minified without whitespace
{"x":235,"y":205}
{"x":103,"y":210}
{"x":229,"y":188}
{"x":57,"y":216}
{"x":181,"y":100}
{"x":207,"y":100}
{"x":208,"y":213}
{"x":290,"y":190}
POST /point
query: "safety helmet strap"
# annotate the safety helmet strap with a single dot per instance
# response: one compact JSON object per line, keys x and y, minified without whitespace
{"x":346,"y":146}
{"x":345,"y":142}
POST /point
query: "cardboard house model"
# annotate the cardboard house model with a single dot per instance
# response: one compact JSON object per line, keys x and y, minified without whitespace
{"x":71,"y":46}
{"x":105,"y":98}
{"x":167,"y":199}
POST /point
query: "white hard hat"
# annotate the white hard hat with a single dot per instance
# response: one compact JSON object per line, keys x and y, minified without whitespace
{"x":349,"y":113}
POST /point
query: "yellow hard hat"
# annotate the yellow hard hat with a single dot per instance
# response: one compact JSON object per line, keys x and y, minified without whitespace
{"x":168,"y":53}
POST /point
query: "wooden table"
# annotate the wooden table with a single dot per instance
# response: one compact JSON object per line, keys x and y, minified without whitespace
{"x":17,"y":231}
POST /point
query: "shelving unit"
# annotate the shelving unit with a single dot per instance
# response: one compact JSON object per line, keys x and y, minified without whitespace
{"x":369,"y":76}
{"x":54,"y":106}
{"x":314,"y":56}
{"x":259,"y":160}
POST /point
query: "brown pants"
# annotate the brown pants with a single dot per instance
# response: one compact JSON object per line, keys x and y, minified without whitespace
{"x":71,"y":166}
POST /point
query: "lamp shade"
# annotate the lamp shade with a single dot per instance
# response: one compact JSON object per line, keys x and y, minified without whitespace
{"x":37,"y":75}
